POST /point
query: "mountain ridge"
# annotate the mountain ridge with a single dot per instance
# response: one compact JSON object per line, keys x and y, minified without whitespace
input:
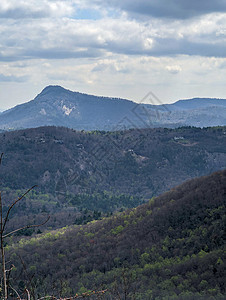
{"x":61,"y":107}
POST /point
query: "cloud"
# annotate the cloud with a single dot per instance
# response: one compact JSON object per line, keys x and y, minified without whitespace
{"x":175,"y":69}
{"x":60,"y":36}
{"x":112,"y":65}
{"x":12,"y":78}
{"x":20,"y":9}
{"x":173,"y":47}
{"x":60,"y":53}
{"x":173,"y":9}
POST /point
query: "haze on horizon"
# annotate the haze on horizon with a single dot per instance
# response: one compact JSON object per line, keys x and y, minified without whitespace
{"x":113,"y":48}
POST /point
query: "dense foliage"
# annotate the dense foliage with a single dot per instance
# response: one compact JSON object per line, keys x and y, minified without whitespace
{"x":169,"y":248}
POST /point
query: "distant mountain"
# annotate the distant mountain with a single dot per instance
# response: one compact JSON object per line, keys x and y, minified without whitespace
{"x":197,"y":103}
{"x":60,"y":107}
{"x":169,"y":248}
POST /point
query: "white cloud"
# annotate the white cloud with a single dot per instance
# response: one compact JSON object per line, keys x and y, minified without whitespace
{"x":67,"y":38}
{"x":173,"y":69}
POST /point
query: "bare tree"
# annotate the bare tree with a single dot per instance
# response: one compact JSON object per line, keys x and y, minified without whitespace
{"x":3,"y":235}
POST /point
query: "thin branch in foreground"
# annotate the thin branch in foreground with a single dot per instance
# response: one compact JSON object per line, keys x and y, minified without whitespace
{"x":25,"y":227}
{"x":28,"y":294}
{"x":14,"y":203}
{"x":15,"y":291}
{"x":83,"y":295}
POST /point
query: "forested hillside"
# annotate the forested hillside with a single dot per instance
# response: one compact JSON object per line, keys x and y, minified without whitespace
{"x":82,"y":176}
{"x":137,"y":162}
{"x":169,"y":248}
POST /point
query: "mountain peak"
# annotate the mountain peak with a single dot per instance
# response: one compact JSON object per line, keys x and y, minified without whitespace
{"x":53,"y":90}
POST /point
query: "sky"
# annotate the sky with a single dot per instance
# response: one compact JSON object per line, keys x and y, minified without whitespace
{"x":172,"y":49}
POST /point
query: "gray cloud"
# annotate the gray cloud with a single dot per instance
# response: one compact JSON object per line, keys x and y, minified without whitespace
{"x":20,"y":9}
{"x":62,"y":53}
{"x":21,"y":13}
{"x":176,"y":9}
{"x":54,"y":53}
{"x":171,"y":47}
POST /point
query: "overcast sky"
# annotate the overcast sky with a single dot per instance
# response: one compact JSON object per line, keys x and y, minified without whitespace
{"x":175,"y":49}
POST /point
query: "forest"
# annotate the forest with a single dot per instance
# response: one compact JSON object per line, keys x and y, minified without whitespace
{"x":85,"y":176}
{"x":171,"y":247}
{"x":121,"y":220}
{"x":138,"y":162}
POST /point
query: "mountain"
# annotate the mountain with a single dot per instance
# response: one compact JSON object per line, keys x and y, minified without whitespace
{"x":60,"y":107}
{"x":196,"y":103}
{"x":169,"y":248}
{"x":141,"y":162}
{"x":82,"y":176}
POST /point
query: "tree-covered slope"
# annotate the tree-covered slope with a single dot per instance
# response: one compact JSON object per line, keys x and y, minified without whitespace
{"x":83,"y":176}
{"x":146,"y":162}
{"x":169,"y":248}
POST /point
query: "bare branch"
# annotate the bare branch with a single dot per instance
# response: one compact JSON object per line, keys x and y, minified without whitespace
{"x":3,"y":253}
{"x":19,"y":199}
{"x":18,"y":296}
{"x":12,"y":266}
{"x":83,"y":295}
{"x":2,"y":229}
{"x":1,"y":221}
{"x":28,"y":294}
{"x":48,"y":297}
{"x":25,"y":227}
